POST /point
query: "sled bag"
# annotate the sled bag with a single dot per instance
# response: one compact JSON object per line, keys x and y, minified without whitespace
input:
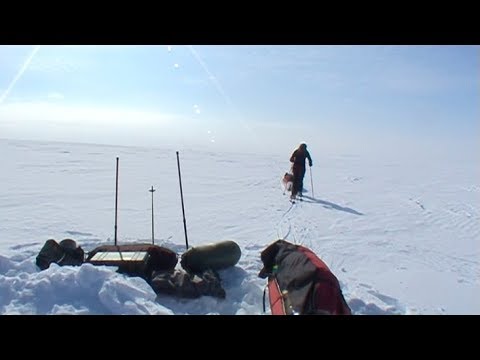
{"x":299,"y":283}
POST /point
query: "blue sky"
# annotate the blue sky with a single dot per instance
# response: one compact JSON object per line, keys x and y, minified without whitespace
{"x":240,"y":97}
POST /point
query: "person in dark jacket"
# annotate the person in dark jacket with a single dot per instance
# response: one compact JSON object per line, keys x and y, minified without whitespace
{"x":298,"y":159}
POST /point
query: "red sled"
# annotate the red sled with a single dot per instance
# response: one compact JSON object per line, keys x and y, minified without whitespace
{"x":299,"y":283}
{"x":287,"y":182}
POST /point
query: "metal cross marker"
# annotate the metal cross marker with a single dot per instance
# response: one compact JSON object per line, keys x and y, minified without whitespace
{"x":152,"y":190}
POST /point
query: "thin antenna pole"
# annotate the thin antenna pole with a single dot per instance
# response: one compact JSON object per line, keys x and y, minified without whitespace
{"x":116,"y":203}
{"x":153,"y":237}
{"x":181,"y":196}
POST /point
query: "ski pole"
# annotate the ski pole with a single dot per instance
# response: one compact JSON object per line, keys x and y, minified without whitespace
{"x":181,"y":196}
{"x":116,"y":201}
{"x":311,"y":181}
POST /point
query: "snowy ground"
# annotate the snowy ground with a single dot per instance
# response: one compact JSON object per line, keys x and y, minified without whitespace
{"x":401,"y":234}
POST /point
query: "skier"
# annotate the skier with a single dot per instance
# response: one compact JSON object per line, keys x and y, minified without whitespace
{"x":298,"y":168}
